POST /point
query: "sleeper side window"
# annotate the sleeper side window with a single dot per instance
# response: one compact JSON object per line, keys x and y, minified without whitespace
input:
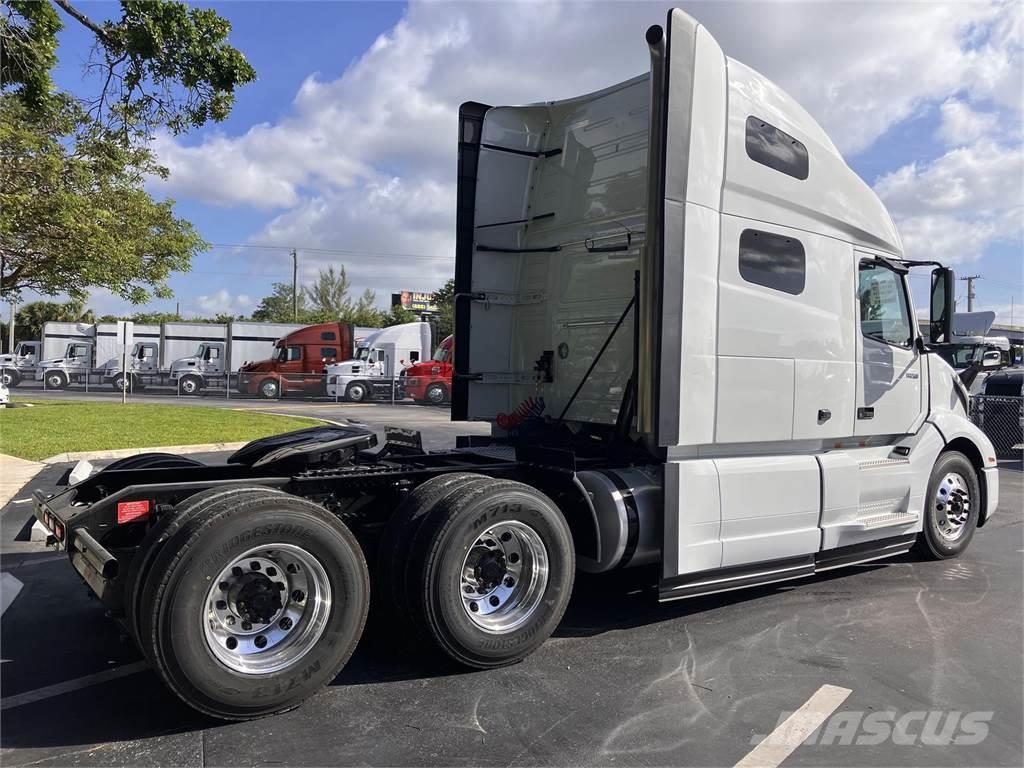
{"x":774,"y":261}
{"x":327,"y":336}
{"x":769,"y":146}
{"x":884,"y":312}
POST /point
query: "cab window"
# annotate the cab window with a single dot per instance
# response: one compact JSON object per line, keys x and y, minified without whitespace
{"x":328,"y":352}
{"x":884,"y":311}
{"x":212,"y":353}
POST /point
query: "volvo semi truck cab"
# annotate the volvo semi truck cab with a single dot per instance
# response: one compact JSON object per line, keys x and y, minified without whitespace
{"x":379,"y":361}
{"x":21,"y":363}
{"x":690,"y":326}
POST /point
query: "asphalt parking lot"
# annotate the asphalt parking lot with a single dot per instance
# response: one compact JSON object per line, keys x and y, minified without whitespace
{"x":935,"y":646}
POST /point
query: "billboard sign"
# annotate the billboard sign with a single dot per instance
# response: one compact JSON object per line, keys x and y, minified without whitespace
{"x":414,"y":301}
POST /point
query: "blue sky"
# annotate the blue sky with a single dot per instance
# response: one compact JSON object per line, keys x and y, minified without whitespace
{"x":346,"y":142}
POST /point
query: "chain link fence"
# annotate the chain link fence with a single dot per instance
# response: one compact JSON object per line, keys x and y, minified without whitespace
{"x":1002,"y":420}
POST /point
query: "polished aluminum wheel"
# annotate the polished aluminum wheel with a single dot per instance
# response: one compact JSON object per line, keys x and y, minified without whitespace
{"x":504,"y":576}
{"x":952,"y":506}
{"x":267,"y":609}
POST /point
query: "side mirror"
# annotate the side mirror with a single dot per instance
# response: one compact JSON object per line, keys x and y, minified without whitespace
{"x":990,"y":362}
{"x":940,"y":316}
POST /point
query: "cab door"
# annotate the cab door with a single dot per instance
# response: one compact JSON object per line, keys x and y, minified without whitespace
{"x":890,"y":395}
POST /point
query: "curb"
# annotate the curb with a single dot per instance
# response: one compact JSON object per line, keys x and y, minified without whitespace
{"x":120,"y":453}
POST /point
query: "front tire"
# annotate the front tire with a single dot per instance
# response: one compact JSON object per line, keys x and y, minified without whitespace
{"x":190,"y":385}
{"x":357,"y":392}
{"x":951,"y":507}
{"x":437,"y":394}
{"x":269,"y":389}
{"x":491,"y":572}
{"x":56,"y":380}
{"x":255,"y":605}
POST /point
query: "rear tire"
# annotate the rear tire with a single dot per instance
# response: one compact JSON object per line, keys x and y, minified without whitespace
{"x":951,"y":507}
{"x":254,"y":664}
{"x":491,"y":572}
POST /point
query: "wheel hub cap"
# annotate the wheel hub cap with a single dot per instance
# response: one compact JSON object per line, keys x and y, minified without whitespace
{"x":504,"y":576}
{"x":266,"y":609}
{"x":952,"y":506}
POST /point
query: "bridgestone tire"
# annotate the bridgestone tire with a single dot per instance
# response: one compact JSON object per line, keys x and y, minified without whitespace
{"x":930,"y":542}
{"x":201,"y":503}
{"x":401,"y":528}
{"x":175,"y":591}
{"x":435,"y":569}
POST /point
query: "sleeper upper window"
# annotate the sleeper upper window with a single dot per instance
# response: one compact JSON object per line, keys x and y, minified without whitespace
{"x":769,"y":146}
{"x":884,"y":314}
{"x":774,"y":261}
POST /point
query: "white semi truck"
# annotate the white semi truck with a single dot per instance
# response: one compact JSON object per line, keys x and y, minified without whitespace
{"x":696,"y":322}
{"x":379,"y":361}
{"x":20,"y":363}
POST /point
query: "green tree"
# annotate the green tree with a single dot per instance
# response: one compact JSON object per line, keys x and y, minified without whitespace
{"x":74,"y":213}
{"x":277,"y":307}
{"x":161,"y":64}
{"x":328,"y":295}
{"x":398,"y":315}
{"x":444,"y":319}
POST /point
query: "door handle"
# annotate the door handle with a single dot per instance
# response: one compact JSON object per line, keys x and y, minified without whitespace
{"x":824,"y":414}
{"x":865,"y":413}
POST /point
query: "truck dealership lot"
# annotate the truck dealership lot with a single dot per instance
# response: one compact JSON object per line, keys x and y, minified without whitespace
{"x":623,"y":680}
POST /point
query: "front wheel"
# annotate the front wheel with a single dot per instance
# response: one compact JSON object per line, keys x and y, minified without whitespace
{"x":437,"y":394}
{"x":269,"y":389}
{"x":190,"y":385}
{"x":951,"y":507}
{"x":9,"y":378}
{"x":356,"y":392}
{"x":56,"y":380}
{"x":491,"y":572}
{"x":253,"y":606}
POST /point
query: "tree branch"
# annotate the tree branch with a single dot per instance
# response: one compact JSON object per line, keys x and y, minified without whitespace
{"x":76,"y":14}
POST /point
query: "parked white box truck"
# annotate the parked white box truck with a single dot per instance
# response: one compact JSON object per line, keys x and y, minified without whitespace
{"x":707,"y":317}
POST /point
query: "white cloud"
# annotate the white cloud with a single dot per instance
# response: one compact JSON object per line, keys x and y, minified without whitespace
{"x":954,"y":207}
{"x":367,"y":161}
{"x":223,"y":302}
{"x":962,"y":125}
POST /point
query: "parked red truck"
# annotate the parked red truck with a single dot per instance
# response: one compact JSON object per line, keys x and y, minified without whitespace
{"x":431,"y":380}
{"x":298,"y":362}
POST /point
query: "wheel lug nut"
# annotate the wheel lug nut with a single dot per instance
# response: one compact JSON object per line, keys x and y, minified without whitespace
{"x":506,"y":536}
{"x":254,"y":565}
{"x":221,"y":605}
{"x":236,"y":572}
{"x":285,"y":623}
{"x":474,"y":607}
{"x":246,"y":625}
{"x":494,"y":600}
{"x":271,"y":571}
{"x":231,"y":643}
{"x":224,"y":586}
{"x":509,"y":581}
{"x":260,"y":641}
{"x":298,"y":596}
{"x":513,"y":558}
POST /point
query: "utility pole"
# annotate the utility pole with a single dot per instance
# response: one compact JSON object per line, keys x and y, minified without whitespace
{"x":295,"y":286}
{"x":10,"y":328}
{"x":970,"y":290}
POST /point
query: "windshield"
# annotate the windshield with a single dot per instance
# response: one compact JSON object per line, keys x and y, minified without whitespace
{"x":441,"y":354}
{"x":363,"y":353}
{"x":199,"y":350}
{"x":23,"y":350}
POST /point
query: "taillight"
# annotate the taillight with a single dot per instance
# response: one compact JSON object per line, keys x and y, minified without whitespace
{"x":58,"y":531}
{"x":130,"y":511}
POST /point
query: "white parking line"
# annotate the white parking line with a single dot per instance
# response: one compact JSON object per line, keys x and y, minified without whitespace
{"x":58,"y":689}
{"x":9,"y":589}
{"x":790,"y":733}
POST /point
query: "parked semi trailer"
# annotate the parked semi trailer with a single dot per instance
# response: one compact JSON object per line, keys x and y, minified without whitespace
{"x":726,"y":382}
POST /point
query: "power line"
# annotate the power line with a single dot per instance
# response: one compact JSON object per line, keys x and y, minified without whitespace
{"x":342,"y":251}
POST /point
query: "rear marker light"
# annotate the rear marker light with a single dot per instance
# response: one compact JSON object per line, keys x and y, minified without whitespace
{"x":58,"y":531}
{"x":129,"y":511}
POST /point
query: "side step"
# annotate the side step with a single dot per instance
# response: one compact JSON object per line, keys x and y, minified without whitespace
{"x":740,"y":577}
